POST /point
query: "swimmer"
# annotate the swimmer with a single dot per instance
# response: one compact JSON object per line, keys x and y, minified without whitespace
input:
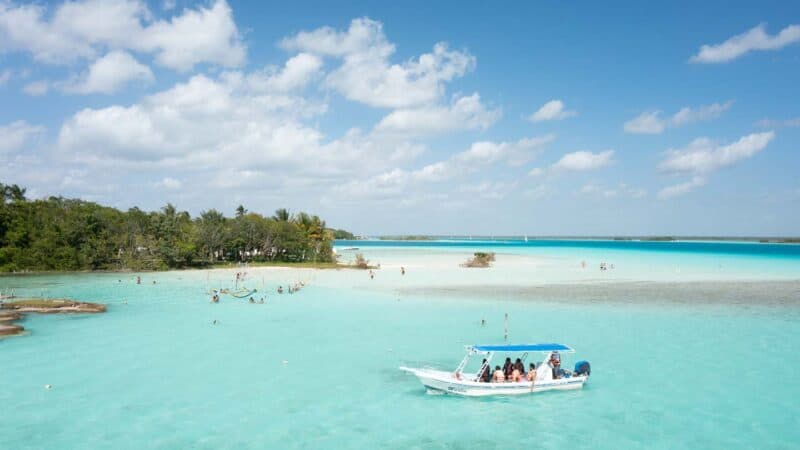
{"x":483,"y":322}
{"x":214,"y":322}
{"x":252,"y":300}
{"x":261,"y":301}
{"x":280,"y":289}
{"x":402,"y":270}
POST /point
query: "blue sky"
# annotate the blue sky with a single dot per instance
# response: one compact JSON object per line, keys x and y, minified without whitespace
{"x":447,"y":118}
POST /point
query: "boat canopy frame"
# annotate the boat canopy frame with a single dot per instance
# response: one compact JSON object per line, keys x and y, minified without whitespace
{"x":490,"y":350}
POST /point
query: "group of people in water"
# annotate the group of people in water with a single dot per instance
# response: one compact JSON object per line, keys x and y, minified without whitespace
{"x":515,"y":372}
{"x":293,"y":287}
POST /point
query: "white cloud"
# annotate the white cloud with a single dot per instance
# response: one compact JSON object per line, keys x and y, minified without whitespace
{"x":681,"y":188}
{"x":646,"y":123}
{"x":770,"y":123}
{"x":583,"y":160}
{"x":621,"y":189}
{"x":478,"y":156}
{"x":367,"y":76}
{"x":703,"y":155}
{"x":298,"y":71}
{"x":701,"y":113}
{"x":169,"y":183}
{"x":463,"y":113}
{"x":36,"y":88}
{"x":536,"y":172}
{"x":110,"y":73}
{"x":83,"y":29}
{"x":552,"y":110}
{"x":753,"y":39}
{"x":15,"y":135}
{"x":651,"y":122}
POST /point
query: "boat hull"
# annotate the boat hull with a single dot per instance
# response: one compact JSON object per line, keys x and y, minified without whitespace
{"x":445,"y":382}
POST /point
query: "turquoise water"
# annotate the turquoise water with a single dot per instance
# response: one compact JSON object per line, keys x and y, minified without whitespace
{"x":318,"y":369}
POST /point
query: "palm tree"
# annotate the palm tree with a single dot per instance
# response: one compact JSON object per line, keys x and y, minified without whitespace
{"x":282,"y":215}
{"x":240,"y":211}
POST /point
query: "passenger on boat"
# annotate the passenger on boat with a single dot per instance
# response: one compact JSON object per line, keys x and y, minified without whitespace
{"x":531,"y":375}
{"x":507,"y":368}
{"x":516,"y":375}
{"x":519,"y":365}
{"x":555,"y":364}
{"x":498,"y":376}
{"x":280,"y":289}
{"x":486,"y":375}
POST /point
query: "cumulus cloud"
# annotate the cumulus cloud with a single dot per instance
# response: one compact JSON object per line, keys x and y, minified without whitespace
{"x":753,"y":39}
{"x":478,"y":156}
{"x":681,"y":188}
{"x":700,"y":114}
{"x":15,"y":135}
{"x":83,"y":29}
{"x":645,"y":123}
{"x":366,"y":74}
{"x":651,"y":122}
{"x":463,"y":113}
{"x":552,"y":110}
{"x":703,"y":155}
{"x":583,"y":160}
{"x":110,"y":73}
{"x":298,"y":71}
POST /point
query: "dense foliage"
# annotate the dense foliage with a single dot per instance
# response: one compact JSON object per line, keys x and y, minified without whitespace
{"x":68,"y":234}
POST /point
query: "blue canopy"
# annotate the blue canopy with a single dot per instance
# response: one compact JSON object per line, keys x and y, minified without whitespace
{"x":523,"y":348}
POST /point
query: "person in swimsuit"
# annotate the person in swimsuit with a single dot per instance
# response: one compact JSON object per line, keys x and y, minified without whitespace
{"x":531,"y":375}
{"x":498,"y":376}
{"x":516,"y":376}
{"x":486,"y":375}
{"x":507,"y":368}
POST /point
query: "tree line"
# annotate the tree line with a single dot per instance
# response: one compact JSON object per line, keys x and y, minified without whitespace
{"x":70,"y":234}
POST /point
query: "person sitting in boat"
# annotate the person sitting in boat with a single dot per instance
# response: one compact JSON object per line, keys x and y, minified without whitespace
{"x":280,"y":289}
{"x":516,"y":375}
{"x":519,"y":365}
{"x":486,"y":375}
{"x":531,"y":375}
{"x":498,"y":376}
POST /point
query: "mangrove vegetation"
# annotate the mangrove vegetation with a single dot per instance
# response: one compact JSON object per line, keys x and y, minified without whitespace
{"x":56,"y":234}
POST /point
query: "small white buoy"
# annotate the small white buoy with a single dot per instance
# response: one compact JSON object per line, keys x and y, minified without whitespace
{"x":48,"y":386}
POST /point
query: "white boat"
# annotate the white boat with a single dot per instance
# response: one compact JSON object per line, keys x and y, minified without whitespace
{"x":470,"y":384}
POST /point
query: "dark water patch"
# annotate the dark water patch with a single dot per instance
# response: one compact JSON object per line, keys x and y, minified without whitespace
{"x":769,"y":294}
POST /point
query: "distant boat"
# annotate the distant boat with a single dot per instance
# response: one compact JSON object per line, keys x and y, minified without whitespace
{"x":349,"y":249}
{"x":459,"y":382}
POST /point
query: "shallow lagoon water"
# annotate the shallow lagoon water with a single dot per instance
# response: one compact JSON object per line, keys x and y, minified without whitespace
{"x":318,"y":369}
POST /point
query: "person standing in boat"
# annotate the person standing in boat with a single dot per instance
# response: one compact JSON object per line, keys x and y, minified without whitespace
{"x":507,"y":368}
{"x":555,"y":365}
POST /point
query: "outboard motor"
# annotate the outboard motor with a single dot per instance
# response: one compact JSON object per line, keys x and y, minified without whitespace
{"x":583,"y":368}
